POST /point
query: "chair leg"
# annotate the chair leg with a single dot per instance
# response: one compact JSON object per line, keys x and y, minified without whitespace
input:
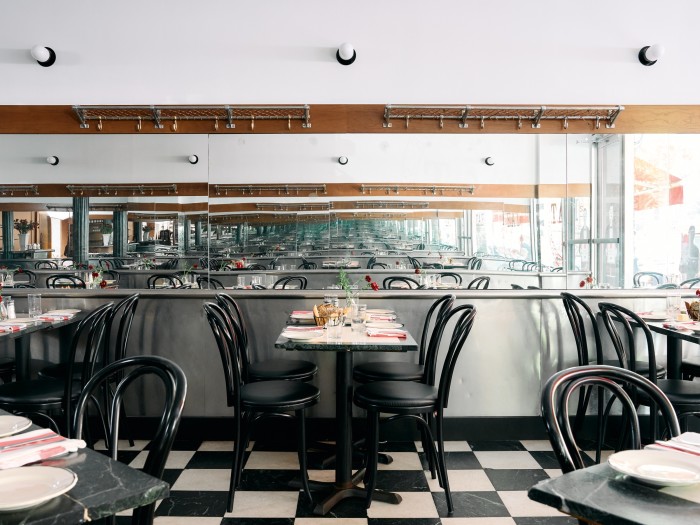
{"x":237,"y":465}
{"x":301,"y":449}
{"x":428,"y":445}
{"x":442,"y":464}
{"x":372,"y":451}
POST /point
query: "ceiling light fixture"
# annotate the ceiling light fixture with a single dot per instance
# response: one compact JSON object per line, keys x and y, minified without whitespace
{"x":45,"y":56}
{"x":648,"y":55}
{"x":53,"y":160}
{"x":342,"y":160}
{"x":346,"y":55}
{"x":489,"y":161}
{"x":194,"y":159}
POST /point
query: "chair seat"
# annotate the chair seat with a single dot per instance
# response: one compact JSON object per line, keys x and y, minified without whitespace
{"x":274,"y":396}
{"x":690,"y":367}
{"x":396,"y":396}
{"x":35,"y":392}
{"x":387,"y":371}
{"x":680,"y":392}
{"x":288,"y":369}
{"x":641,"y":367}
{"x":7,"y":369}
{"x":58,"y":371}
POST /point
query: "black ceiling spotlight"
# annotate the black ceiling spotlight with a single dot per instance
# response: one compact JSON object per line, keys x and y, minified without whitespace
{"x":53,"y":160}
{"x":648,"y":55}
{"x":346,"y":54}
{"x":194,"y":159}
{"x":45,"y":56}
{"x":342,"y":160}
{"x":489,"y":161}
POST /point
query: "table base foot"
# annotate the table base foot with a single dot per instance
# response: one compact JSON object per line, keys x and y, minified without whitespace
{"x":339,"y":494}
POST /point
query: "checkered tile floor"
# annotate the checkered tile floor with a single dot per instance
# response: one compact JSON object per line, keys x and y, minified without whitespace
{"x":489,"y":483}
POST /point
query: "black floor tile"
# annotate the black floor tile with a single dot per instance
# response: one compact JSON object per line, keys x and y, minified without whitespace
{"x":520,"y":479}
{"x":471,"y":505}
{"x":495,"y":446}
{"x":193,"y":503}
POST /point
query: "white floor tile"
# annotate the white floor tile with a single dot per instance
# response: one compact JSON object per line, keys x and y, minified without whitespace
{"x":450,"y":446}
{"x":178,"y":459}
{"x":203,"y":479}
{"x":330,"y":521}
{"x":413,"y":505}
{"x":185,"y":520}
{"x":506,"y":459}
{"x":537,"y":445}
{"x":520,"y":506}
{"x":216,"y":446}
{"x":553,"y":472}
{"x":403,"y":461}
{"x":463,"y":481}
{"x":264,"y":504}
{"x":477,"y":521}
{"x":273,"y":460}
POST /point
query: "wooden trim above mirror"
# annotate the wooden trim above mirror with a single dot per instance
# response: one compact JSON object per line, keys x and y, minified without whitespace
{"x":353,"y":118}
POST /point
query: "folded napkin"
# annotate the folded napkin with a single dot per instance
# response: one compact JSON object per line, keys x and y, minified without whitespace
{"x":681,"y":326}
{"x":55,"y":317}
{"x":33,"y":446}
{"x":687,"y":442}
{"x":302,"y":312}
{"x":297,"y":328}
{"x":377,"y":332}
{"x":375,"y":317}
{"x":12,"y":327}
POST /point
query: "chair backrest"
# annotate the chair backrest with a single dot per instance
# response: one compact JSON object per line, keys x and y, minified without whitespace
{"x":163,"y":280}
{"x":258,"y":266}
{"x":86,"y":354}
{"x":463,"y":315}
{"x":307,"y":265}
{"x":690,"y":283}
{"x":106,"y":264}
{"x":559,"y":389}
{"x":666,"y":286}
{"x":234,"y":312}
{"x":24,"y":277}
{"x":475,"y":263}
{"x":288,"y":282}
{"x":431,"y":325}
{"x":400,"y":282}
{"x":64,"y":281}
{"x":274,"y":262}
{"x":256,"y":286}
{"x":209,"y":283}
{"x":447,"y":276}
{"x":479,"y":283}
{"x":230,"y":351}
{"x":371,"y":261}
{"x":380,"y":265}
{"x":121,"y":316}
{"x":415,"y":263}
{"x":127,"y":372}
{"x":111,"y":274}
{"x":615,"y":315}
{"x":45,"y":265}
{"x":204,"y":263}
{"x":516,"y":287}
{"x":647,"y":278}
{"x":573,"y":306}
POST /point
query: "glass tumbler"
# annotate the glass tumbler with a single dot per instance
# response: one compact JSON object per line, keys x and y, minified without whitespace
{"x":34,"y":304}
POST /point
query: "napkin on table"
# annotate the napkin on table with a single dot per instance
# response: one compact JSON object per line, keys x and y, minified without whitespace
{"x":12,"y":327}
{"x":55,"y":317}
{"x":378,"y":332}
{"x":688,"y":442}
{"x":33,"y":446}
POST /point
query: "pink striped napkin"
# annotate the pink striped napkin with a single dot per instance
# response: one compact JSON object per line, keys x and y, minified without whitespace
{"x":302,"y":312}
{"x":12,"y":327}
{"x":33,"y":446}
{"x":687,"y":442}
{"x":297,"y":328}
{"x":374,"y":332}
{"x":55,"y":317}
{"x":382,"y":317}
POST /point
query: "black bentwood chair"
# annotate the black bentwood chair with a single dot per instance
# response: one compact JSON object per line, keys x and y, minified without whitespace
{"x":290,"y":369}
{"x":289,"y":282}
{"x":64,"y":281}
{"x":616,"y":380}
{"x":252,"y":401}
{"x":399,"y":282}
{"x":417,"y":401}
{"x":163,"y":280}
{"x":209,"y":283}
{"x":684,"y":395}
{"x":479,"y":283}
{"x":125,"y":373}
{"x":43,"y":397}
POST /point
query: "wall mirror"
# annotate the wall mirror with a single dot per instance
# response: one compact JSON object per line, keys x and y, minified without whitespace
{"x":562,"y":206}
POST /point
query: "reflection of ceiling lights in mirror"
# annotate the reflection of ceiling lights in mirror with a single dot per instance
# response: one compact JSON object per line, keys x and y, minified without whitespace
{"x":294,"y":207}
{"x":142,"y":189}
{"x":27,"y":189}
{"x":391,"y":204}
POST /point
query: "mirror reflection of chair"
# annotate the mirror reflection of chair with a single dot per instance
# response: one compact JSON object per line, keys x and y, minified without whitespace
{"x":163,"y":280}
{"x":690,"y":283}
{"x":400,"y":282}
{"x":26,"y":277}
{"x":642,"y":279}
{"x":131,"y":373}
{"x":306,"y":265}
{"x":111,"y":275}
{"x":256,"y":266}
{"x":45,"y":265}
{"x":447,"y":277}
{"x":555,"y":407}
{"x":381,"y":265}
{"x":417,"y":401}
{"x":480,"y":283}
{"x":516,"y":287}
{"x":251,"y":401}
{"x":667,"y":286}
{"x":209,"y":283}
{"x":294,"y":281}
{"x":64,"y":281}
{"x":415,"y":263}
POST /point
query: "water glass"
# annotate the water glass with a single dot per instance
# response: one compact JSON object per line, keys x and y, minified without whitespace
{"x":34,"y":304}
{"x":673,"y":304}
{"x":255,"y":279}
{"x":240,"y":281}
{"x":334,"y":327}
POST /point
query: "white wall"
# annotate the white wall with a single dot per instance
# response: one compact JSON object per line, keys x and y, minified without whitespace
{"x":408,"y":51}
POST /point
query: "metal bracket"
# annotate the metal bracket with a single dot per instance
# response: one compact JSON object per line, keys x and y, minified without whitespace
{"x":538,"y":117}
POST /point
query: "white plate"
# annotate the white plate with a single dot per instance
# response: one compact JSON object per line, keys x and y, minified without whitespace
{"x":383,"y":324}
{"x":301,"y":335}
{"x":19,"y":320}
{"x":25,"y":487}
{"x":67,"y":311}
{"x":654,"y":316}
{"x":660,"y":468}
{"x":12,"y":424}
{"x":379,"y":311}
{"x":310,"y":315}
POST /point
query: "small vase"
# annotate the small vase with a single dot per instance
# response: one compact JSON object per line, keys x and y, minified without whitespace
{"x":23,"y":238}
{"x":105,"y":239}
{"x":3,"y":310}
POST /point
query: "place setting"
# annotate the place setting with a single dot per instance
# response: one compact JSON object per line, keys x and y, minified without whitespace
{"x":23,"y":484}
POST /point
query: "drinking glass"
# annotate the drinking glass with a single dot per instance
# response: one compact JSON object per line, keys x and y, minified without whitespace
{"x":255,"y":279}
{"x":673,"y":304}
{"x":334,"y":327}
{"x":240,"y":281}
{"x":34,"y":304}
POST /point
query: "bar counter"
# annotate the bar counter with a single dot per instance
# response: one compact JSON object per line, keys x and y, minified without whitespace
{"x":519,"y":339}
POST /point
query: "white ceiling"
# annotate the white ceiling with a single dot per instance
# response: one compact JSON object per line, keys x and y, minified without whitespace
{"x":408,"y":51}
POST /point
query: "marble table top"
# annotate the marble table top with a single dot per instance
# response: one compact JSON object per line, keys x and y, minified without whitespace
{"x":601,"y":495}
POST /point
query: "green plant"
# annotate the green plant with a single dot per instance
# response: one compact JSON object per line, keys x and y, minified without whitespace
{"x":106,"y":227}
{"x":350,"y":287}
